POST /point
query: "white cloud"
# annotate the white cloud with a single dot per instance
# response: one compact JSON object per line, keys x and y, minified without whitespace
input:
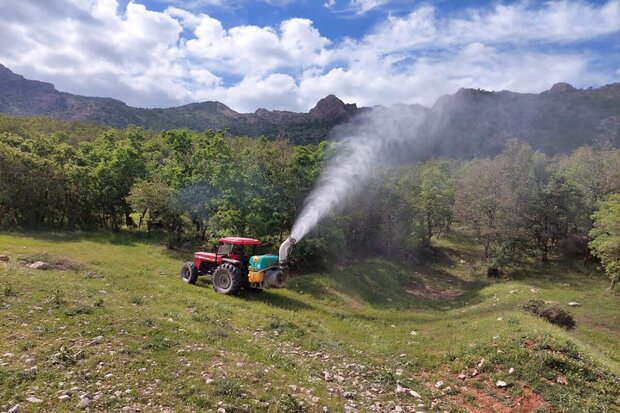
{"x":362,"y":6}
{"x":355,"y":6}
{"x":149,"y":58}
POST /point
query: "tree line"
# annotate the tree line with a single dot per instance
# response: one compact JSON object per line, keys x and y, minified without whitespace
{"x":519,"y":203}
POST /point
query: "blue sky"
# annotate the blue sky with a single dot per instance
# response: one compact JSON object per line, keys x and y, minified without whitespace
{"x":287,"y":54}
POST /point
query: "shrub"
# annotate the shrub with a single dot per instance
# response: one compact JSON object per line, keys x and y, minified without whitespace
{"x":553,"y":313}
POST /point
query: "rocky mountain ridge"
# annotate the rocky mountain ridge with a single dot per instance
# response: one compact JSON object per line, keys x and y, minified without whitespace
{"x":471,"y":122}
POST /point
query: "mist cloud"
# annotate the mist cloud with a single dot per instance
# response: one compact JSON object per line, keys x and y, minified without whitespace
{"x":366,"y":145}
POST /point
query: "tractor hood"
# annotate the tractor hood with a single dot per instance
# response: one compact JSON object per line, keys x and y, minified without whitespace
{"x":285,"y":250}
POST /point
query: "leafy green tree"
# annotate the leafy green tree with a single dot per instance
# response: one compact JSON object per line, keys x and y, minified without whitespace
{"x":434,"y":198}
{"x":162,"y":205}
{"x":605,"y":237}
{"x":550,"y":213}
{"x":478,"y":201}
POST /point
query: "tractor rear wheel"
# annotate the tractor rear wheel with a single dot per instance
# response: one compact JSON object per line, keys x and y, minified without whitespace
{"x":227,"y":279}
{"x":189,"y":273}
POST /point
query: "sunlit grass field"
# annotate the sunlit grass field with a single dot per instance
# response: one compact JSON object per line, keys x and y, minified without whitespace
{"x":117,"y":330}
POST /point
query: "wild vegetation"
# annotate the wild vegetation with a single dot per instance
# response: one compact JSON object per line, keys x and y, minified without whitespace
{"x":517,"y":204}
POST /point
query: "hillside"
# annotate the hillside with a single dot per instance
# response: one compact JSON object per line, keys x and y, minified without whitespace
{"x":477,"y":123}
{"x":114,"y":328}
{"x":24,"y":97}
{"x":469,"y":123}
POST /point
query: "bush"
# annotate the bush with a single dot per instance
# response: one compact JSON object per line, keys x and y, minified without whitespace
{"x":553,"y":313}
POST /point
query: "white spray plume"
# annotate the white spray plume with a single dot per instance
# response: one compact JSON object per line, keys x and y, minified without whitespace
{"x":369,"y":142}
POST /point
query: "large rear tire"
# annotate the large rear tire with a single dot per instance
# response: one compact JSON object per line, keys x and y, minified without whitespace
{"x":189,"y":273}
{"x":227,"y":279}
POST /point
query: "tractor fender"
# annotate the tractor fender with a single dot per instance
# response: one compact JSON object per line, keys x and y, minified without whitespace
{"x":231,"y":261}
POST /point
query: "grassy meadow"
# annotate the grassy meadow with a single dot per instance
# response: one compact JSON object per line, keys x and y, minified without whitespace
{"x":113,"y":328}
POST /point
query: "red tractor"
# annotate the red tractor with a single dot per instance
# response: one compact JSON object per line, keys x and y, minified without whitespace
{"x":233,"y":265}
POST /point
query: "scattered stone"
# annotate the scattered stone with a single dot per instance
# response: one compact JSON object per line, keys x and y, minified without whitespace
{"x":40,"y":265}
{"x":511,"y":370}
{"x":534,"y":290}
{"x":562,"y":380}
{"x":439,"y":384}
{"x":5,"y":258}
{"x":481,"y":363}
{"x":15,"y":409}
{"x":32,"y":399}
{"x":462,"y":376}
{"x":574,"y":304}
{"x":64,"y":397}
{"x":499,"y":318}
{"x":83,"y":403}
{"x":501,"y":384}
{"x":413,"y":333}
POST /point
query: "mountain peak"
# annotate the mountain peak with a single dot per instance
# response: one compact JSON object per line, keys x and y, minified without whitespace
{"x":331,"y":107}
{"x":562,"y":87}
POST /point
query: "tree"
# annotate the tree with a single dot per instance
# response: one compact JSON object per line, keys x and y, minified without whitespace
{"x":434,"y":198}
{"x":478,"y":201}
{"x":605,"y":237}
{"x":550,"y":213}
{"x":161,"y":203}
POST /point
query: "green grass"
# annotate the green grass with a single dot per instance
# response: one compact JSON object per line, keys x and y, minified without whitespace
{"x":120,"y":328}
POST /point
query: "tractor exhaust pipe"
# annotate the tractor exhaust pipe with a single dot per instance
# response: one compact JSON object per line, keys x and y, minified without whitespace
{"x":285,"y":250}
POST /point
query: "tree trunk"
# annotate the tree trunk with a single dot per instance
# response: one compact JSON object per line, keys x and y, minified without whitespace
{"x":487,"y":246}
{"x":429,"y":230}
{"x":142,"y":217}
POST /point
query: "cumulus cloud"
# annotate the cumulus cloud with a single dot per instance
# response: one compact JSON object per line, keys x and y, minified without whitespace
{"x":162,"y":58}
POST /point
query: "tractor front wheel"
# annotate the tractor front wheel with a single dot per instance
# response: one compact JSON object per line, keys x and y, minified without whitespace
{"x":189,"y":273}
{"x":227,"y":279}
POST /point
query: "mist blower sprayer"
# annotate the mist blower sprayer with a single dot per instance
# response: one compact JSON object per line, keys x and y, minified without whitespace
{"x":233,"y":265}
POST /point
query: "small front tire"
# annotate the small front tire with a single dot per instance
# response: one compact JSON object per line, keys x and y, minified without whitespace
{"x":189,"y":273}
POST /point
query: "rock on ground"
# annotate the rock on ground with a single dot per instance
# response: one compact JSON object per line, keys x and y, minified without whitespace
{"x":40,"y":265}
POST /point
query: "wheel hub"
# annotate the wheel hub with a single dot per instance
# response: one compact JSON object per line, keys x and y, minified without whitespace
{"x":223,"y":281}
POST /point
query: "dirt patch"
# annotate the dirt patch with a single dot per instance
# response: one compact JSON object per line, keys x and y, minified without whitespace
{"x":47,"y":261}
{"x":423,"y":289}
{"x":478,"y":396}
